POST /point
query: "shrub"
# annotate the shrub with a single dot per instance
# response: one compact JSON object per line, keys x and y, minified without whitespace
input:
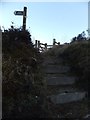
{"x":77,"y":55}
{"x":22,"y":75}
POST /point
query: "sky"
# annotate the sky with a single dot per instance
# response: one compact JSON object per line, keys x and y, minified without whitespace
{"x":47,"y":20}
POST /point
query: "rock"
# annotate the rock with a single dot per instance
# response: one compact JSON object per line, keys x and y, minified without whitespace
{"x":87,"y":117}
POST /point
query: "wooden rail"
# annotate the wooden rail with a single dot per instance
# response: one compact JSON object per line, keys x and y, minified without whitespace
{"x":43,"y":46}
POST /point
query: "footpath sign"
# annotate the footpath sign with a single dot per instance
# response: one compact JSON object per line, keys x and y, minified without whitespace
{"x":24,"y":14}
{"x":18,"y":12}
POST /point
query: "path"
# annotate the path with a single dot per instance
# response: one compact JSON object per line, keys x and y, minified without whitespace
{"x":57,"y":75}
{"x":60,"y":84}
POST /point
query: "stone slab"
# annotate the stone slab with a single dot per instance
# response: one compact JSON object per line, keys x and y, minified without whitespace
{"x":56,"y":69}
{"x":67,"y":97}
{"x":63,"y":80}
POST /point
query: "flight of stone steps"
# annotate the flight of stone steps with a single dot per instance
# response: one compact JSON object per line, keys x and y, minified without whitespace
{"x":60,"y":84}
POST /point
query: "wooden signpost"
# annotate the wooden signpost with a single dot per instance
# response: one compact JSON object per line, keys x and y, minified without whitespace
{"x":24,"y":14}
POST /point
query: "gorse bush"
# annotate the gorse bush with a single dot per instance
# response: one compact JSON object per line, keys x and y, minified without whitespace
{"x":22,"y":75}
{"x":77,"y":55}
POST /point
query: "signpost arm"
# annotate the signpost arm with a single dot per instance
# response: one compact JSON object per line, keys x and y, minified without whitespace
{"x":24,"y":18}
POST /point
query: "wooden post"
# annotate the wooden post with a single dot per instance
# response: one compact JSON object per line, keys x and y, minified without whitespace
{"x":58,"y":43}
{"x":54,"y":41}
{"x":24,"y":18}
{"x":0,"y":73}
{"x":45,"y":46}
{"x":36,"y":44}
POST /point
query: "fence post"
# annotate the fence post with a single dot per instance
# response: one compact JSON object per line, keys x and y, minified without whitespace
{"x":0,"y":73}
{"x":45,"y":46}
{"x":54,"y":41}
{"x":36,"y":44}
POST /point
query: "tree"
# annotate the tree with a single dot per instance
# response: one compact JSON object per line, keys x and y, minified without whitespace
{"x":80,"y":37}
{"x":73,"y":39}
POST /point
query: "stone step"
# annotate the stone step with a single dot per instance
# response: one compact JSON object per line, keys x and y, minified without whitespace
{"x":67,"y":90}
{"x":52,"y":90}
{"x":56,"y":69}
{"x":58,"y":74}
{"x":53,"y":61}
{"x":67,"y":97}
{"x":63,"y":80}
